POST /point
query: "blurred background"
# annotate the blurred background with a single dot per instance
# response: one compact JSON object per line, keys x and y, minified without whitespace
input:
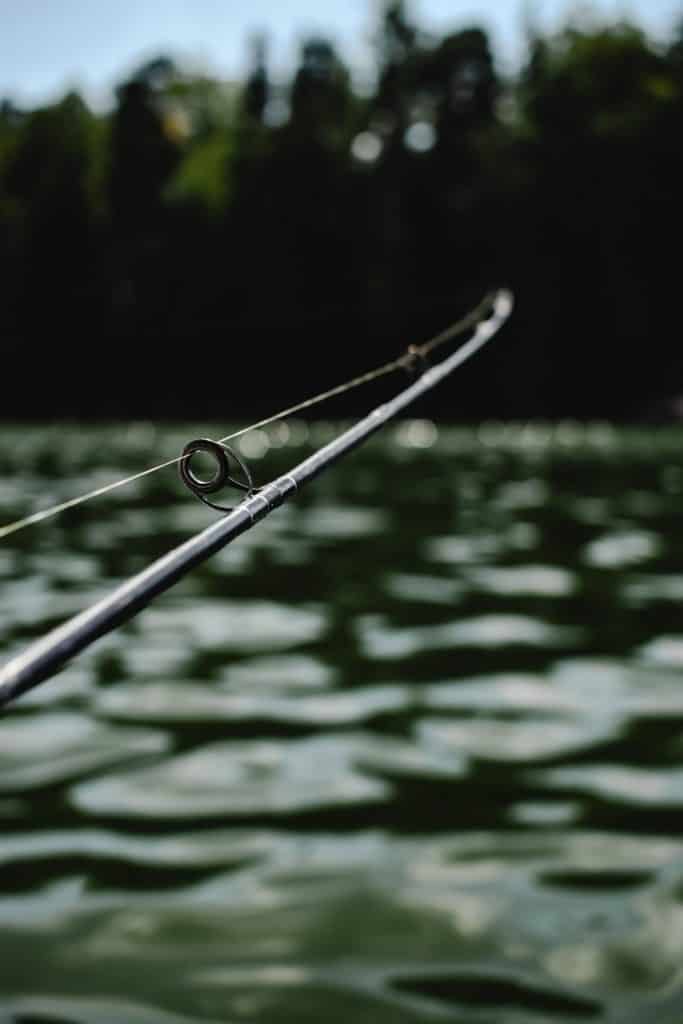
{"x":317,"y":187}
{"x":411,"y":750}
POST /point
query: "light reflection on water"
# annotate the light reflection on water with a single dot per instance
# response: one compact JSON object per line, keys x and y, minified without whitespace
{"x":411,"y":750}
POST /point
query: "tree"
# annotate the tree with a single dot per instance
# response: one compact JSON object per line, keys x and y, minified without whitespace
{"x":47,"y":176}
{"x":144,"y":149}
{"x":596,"y":104}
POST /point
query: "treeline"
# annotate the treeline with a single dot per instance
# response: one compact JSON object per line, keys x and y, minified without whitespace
{"x":212,"y":249}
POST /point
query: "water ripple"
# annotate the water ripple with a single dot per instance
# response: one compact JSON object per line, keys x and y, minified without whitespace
{"x":400,"y":754}
{"x":57,"y":746}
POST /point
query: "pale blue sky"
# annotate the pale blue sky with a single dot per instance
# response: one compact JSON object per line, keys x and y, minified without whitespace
{"x":47,"y":45}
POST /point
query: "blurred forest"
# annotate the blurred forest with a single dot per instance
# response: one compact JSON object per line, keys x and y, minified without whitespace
{"x":219,"y":249}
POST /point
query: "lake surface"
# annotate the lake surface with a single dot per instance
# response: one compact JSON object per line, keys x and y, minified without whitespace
{"x":409,"y":751}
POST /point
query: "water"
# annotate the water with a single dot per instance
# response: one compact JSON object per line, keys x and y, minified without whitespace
{"x":409,"y":751}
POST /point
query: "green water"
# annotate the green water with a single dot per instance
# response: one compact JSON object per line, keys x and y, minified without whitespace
{"x":409,"y":751}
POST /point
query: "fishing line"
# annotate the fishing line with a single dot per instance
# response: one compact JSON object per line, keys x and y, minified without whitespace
{"x":47,"y":655}
{"x":414,"y":359}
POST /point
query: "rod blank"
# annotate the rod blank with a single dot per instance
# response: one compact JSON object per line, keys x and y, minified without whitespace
{"x":47,"y":655}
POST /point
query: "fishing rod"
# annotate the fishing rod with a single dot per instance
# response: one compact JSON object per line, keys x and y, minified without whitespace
{"x":46,"y":656}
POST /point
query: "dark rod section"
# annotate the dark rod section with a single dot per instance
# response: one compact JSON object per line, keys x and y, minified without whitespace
{"x":44,"y":657}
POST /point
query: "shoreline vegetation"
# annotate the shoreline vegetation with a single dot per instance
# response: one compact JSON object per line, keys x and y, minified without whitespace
{"x":215,"y":250}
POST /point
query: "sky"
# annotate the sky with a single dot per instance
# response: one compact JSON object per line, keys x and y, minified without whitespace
{"x":47,"y":46}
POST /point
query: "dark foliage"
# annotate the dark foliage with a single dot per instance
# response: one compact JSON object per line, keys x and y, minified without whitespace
{"x":213,"y":250}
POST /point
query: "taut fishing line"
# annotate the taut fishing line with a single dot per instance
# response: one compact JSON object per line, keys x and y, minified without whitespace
{"x":415,"y":358}
{"x":47,"y":655}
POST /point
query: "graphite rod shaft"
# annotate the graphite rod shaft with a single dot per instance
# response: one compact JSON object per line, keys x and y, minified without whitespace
{"x":46,"y":656}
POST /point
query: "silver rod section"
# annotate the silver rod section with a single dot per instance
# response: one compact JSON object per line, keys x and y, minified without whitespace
{"x":47,"y":655}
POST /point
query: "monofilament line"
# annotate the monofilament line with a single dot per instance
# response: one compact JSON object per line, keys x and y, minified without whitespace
{"x":401,"y":363}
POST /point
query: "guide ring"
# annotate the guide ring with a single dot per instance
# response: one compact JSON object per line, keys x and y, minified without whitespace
{"x":222,"y":455}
